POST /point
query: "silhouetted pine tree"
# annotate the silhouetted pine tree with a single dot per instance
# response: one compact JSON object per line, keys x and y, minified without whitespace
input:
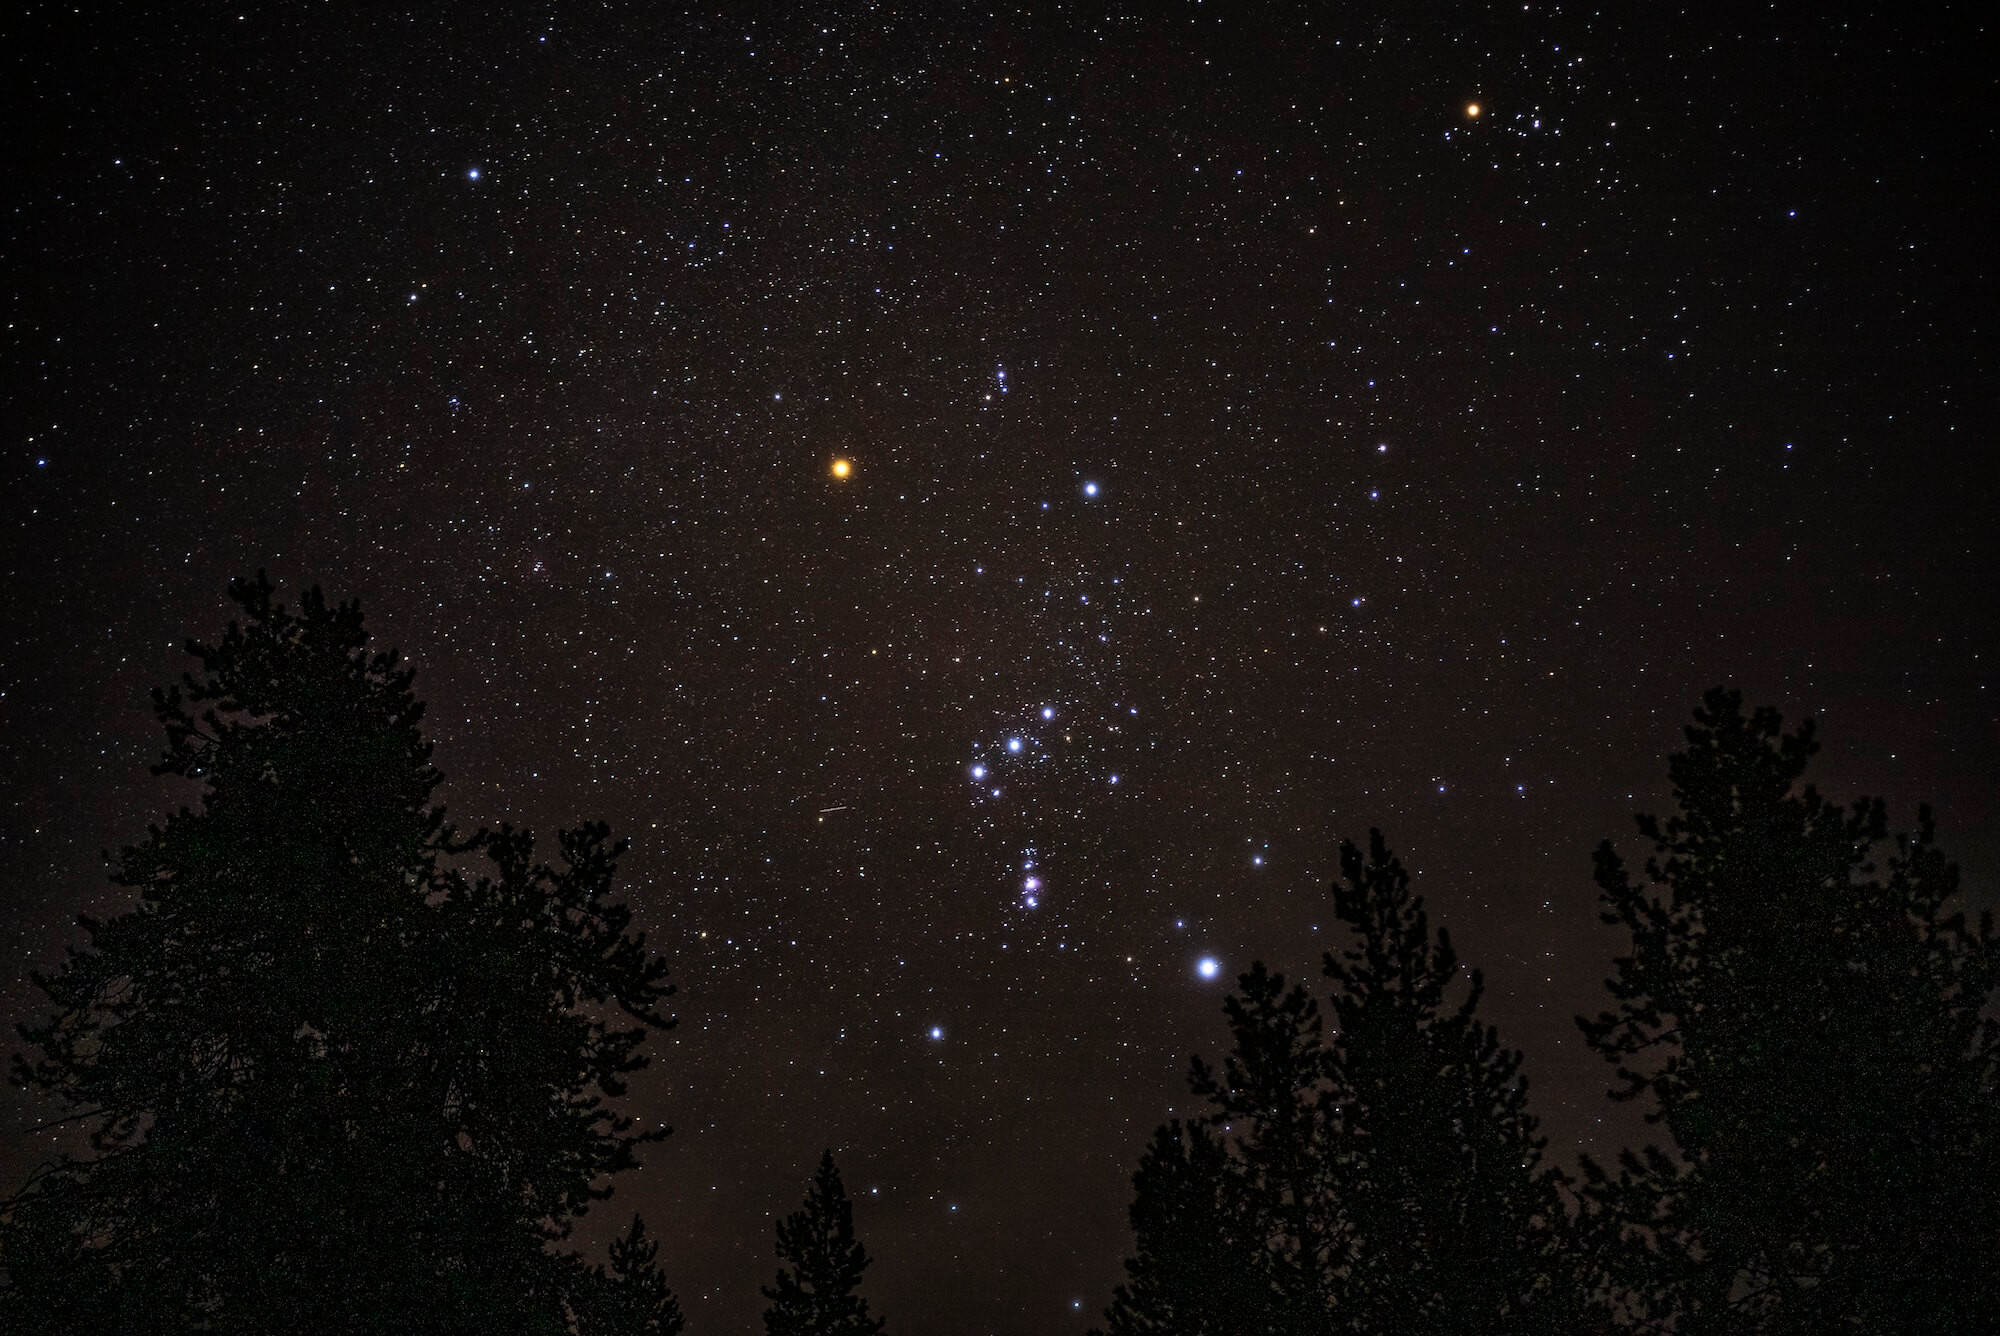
{"x":820,"y":1266}
{"x":334,"y":1083}
{"x":1460,"y":1225}
{"x":1199,"y":1268}
{"x":1386,"y":1180}
{"x":1808,"y":1023}
{"x":631,"y":1297}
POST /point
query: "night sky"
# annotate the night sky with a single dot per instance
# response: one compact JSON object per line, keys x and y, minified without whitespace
{"x":1258,"y":422}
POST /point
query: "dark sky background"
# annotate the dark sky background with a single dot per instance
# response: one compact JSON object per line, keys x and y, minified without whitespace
{"x":1270,"y":445}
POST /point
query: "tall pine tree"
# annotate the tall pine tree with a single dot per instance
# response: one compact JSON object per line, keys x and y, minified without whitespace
{"x":820,"y":1266}
{"x":1386,"y":1178}
{"x":1461,"y":1224}
{"x":1806,"y":1019}
{"x":1201,"y":1269}
{"x":1236,"y":1216}
{"x":338,"y":1078}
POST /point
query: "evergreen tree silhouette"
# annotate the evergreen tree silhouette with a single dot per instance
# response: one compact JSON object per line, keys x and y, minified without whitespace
{"x":1385,"y":1179}
{"x":1461,"y":1224}
{"x":631,"y":1297}
{"x":1236,"y":1216}
{"x":1199,"y":1268}
{"x":337,"y":1080}
{"x":820,"y":1266}
{"x":1807,"y":1022}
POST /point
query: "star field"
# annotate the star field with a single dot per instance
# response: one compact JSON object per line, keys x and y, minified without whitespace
{"x":986,"y":499}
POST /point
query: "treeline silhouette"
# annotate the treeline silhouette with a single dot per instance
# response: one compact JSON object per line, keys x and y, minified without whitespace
{"x":344,"y":1069}
{"x":1810,"y":1029}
